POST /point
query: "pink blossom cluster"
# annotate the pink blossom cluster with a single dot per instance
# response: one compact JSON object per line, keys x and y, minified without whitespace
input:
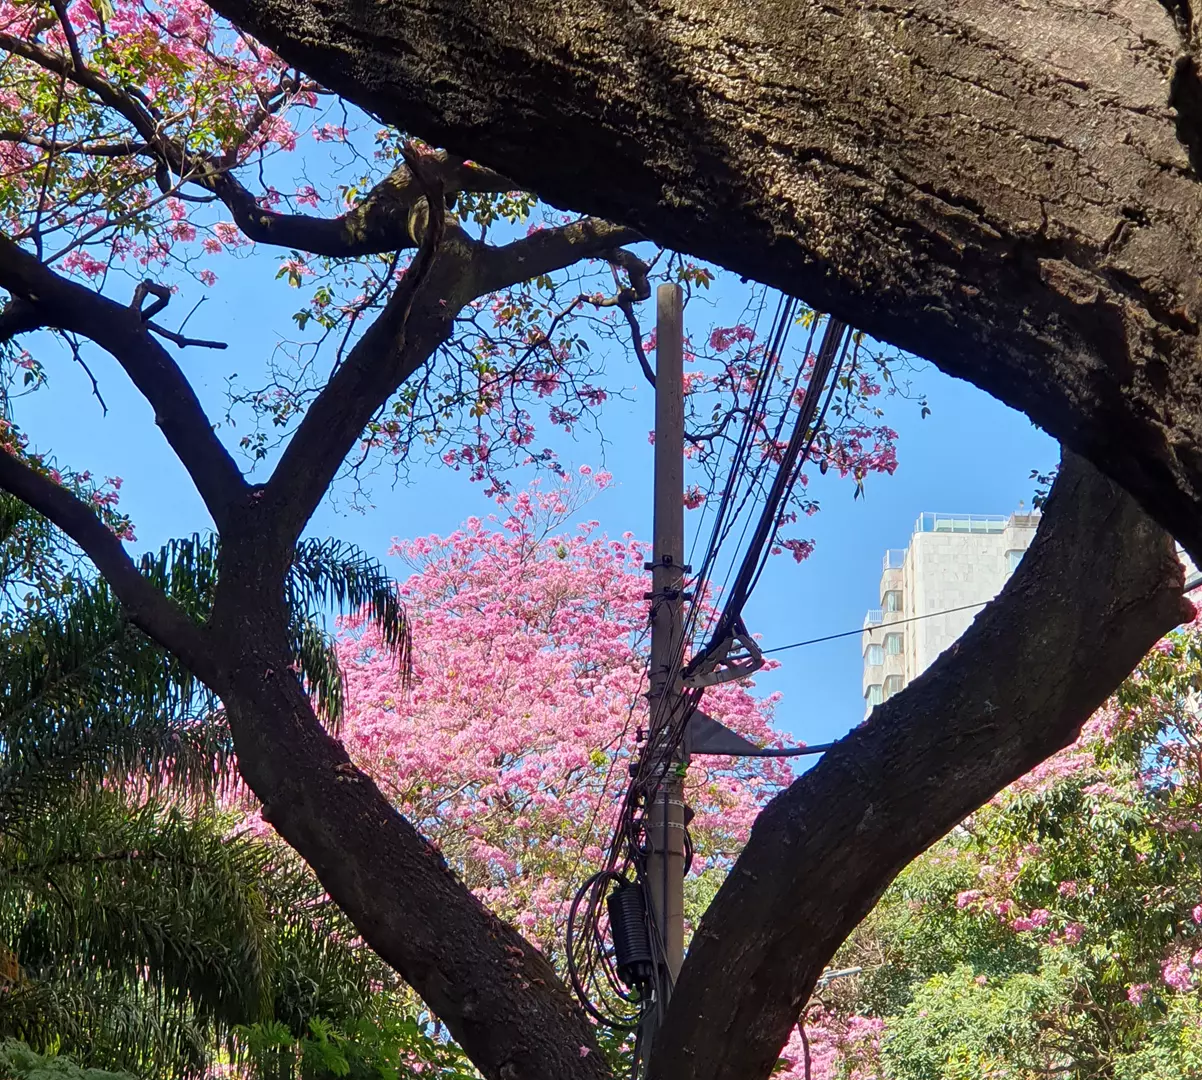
{"x":510,"y":746}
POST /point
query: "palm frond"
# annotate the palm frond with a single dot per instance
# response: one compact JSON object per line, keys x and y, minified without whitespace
{"x":317,"y":662}
{"x":337,"y":575}
{"x":88,"y":697}
{"x":126,"y":917}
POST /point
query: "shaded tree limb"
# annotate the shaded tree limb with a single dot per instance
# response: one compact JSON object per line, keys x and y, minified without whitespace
{"x":1098,"y":586}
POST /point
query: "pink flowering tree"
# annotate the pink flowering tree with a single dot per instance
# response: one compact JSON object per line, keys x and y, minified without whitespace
{"x":441,"y":311}
{"x":510,"y":746}
{"x":1058,"y":929}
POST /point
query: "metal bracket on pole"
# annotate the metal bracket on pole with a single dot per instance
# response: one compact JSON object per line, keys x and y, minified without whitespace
{"x":725,"y":665}
{"x":704,"y":735}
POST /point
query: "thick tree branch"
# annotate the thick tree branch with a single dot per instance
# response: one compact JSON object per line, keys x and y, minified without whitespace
{"x":416,"y":319}
{"x":45,"y":298}
{"x":499,"y":997}
{"x":147,"y":606}
{"x":1001,"y":186}
{"x":379,"y":224}
{"x":1097,"y":588}
{"x":548,"y":250}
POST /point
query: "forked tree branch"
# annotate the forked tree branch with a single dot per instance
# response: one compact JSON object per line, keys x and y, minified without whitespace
{"x":45,"y":298}
{"x":406,"y":334}
{"x":1096,"y":589}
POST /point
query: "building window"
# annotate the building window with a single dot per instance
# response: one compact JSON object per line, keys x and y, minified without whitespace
{"x":1013,"y":558}
{"x":892,"y":600}
{"x":875,"y":655}
{"x":873,"y":694}
{"x":893,"y":685}
{"x":893,"y":644}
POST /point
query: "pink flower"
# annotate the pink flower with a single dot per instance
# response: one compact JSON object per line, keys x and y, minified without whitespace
{"x":1176,"y":974}
{"x":1073,"y":933}
{"x":1135,"y":994}
{"x":1067,"y":888}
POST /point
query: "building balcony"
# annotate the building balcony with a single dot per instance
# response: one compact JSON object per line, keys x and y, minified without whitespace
{"x":961,"y":523}
{"x":894,"y":559}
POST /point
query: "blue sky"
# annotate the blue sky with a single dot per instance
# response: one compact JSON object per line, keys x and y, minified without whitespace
{"x":970,"y":455}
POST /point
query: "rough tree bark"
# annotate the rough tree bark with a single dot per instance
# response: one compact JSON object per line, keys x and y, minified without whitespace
{"x":1007,"y":187}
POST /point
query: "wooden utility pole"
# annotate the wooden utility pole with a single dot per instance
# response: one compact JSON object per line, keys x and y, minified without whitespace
{"x":665,"y":860}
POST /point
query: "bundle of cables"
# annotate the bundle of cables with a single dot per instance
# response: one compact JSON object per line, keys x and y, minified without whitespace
{"x":615,"y":953}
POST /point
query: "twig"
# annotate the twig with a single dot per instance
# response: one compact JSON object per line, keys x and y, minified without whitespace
{"x":180,"y":328}
{"x":74,"y":343}
{"x":36,"y":231}
{"x":184,"y":342}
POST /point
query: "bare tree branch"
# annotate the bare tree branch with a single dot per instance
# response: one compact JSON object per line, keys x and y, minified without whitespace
{"x":53,"y":301}
{"x":379,"y":224}
{"x":146,"y":605}
{"x":548,"y":250}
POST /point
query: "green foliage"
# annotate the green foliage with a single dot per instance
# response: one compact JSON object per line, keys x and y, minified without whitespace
{"x":1058,"y":931}
{"x":19,"y":1062}
{"x":1173,"y":1049}
{"x":137,"y":930}
{"x":385,"y":1045}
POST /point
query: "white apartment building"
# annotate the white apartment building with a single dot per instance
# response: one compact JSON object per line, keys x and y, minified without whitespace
{"x":955,"y":563}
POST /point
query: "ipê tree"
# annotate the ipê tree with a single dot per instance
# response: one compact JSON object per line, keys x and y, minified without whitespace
{"x":510,"y":747}
{"x":130,"y":127}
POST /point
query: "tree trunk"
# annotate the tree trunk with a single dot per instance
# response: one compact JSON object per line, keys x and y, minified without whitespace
{"x":498,"y":995}
{"x":1099,"y":584}
{"x":1002,"y":186}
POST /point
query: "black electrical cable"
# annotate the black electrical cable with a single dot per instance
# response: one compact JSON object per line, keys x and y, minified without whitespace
{"x":815,"y":428}
{"x":740,"y":463}
{"x":786,"y":476}
{"x":869,"y":629}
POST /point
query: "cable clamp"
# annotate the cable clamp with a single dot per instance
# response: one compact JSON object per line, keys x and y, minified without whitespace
{"x":736,"y":658}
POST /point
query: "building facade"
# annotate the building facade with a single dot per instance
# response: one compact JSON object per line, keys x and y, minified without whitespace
{"x":931,"y":591}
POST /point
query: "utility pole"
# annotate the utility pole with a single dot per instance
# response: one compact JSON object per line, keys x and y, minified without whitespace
{"x":665,"y":859}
